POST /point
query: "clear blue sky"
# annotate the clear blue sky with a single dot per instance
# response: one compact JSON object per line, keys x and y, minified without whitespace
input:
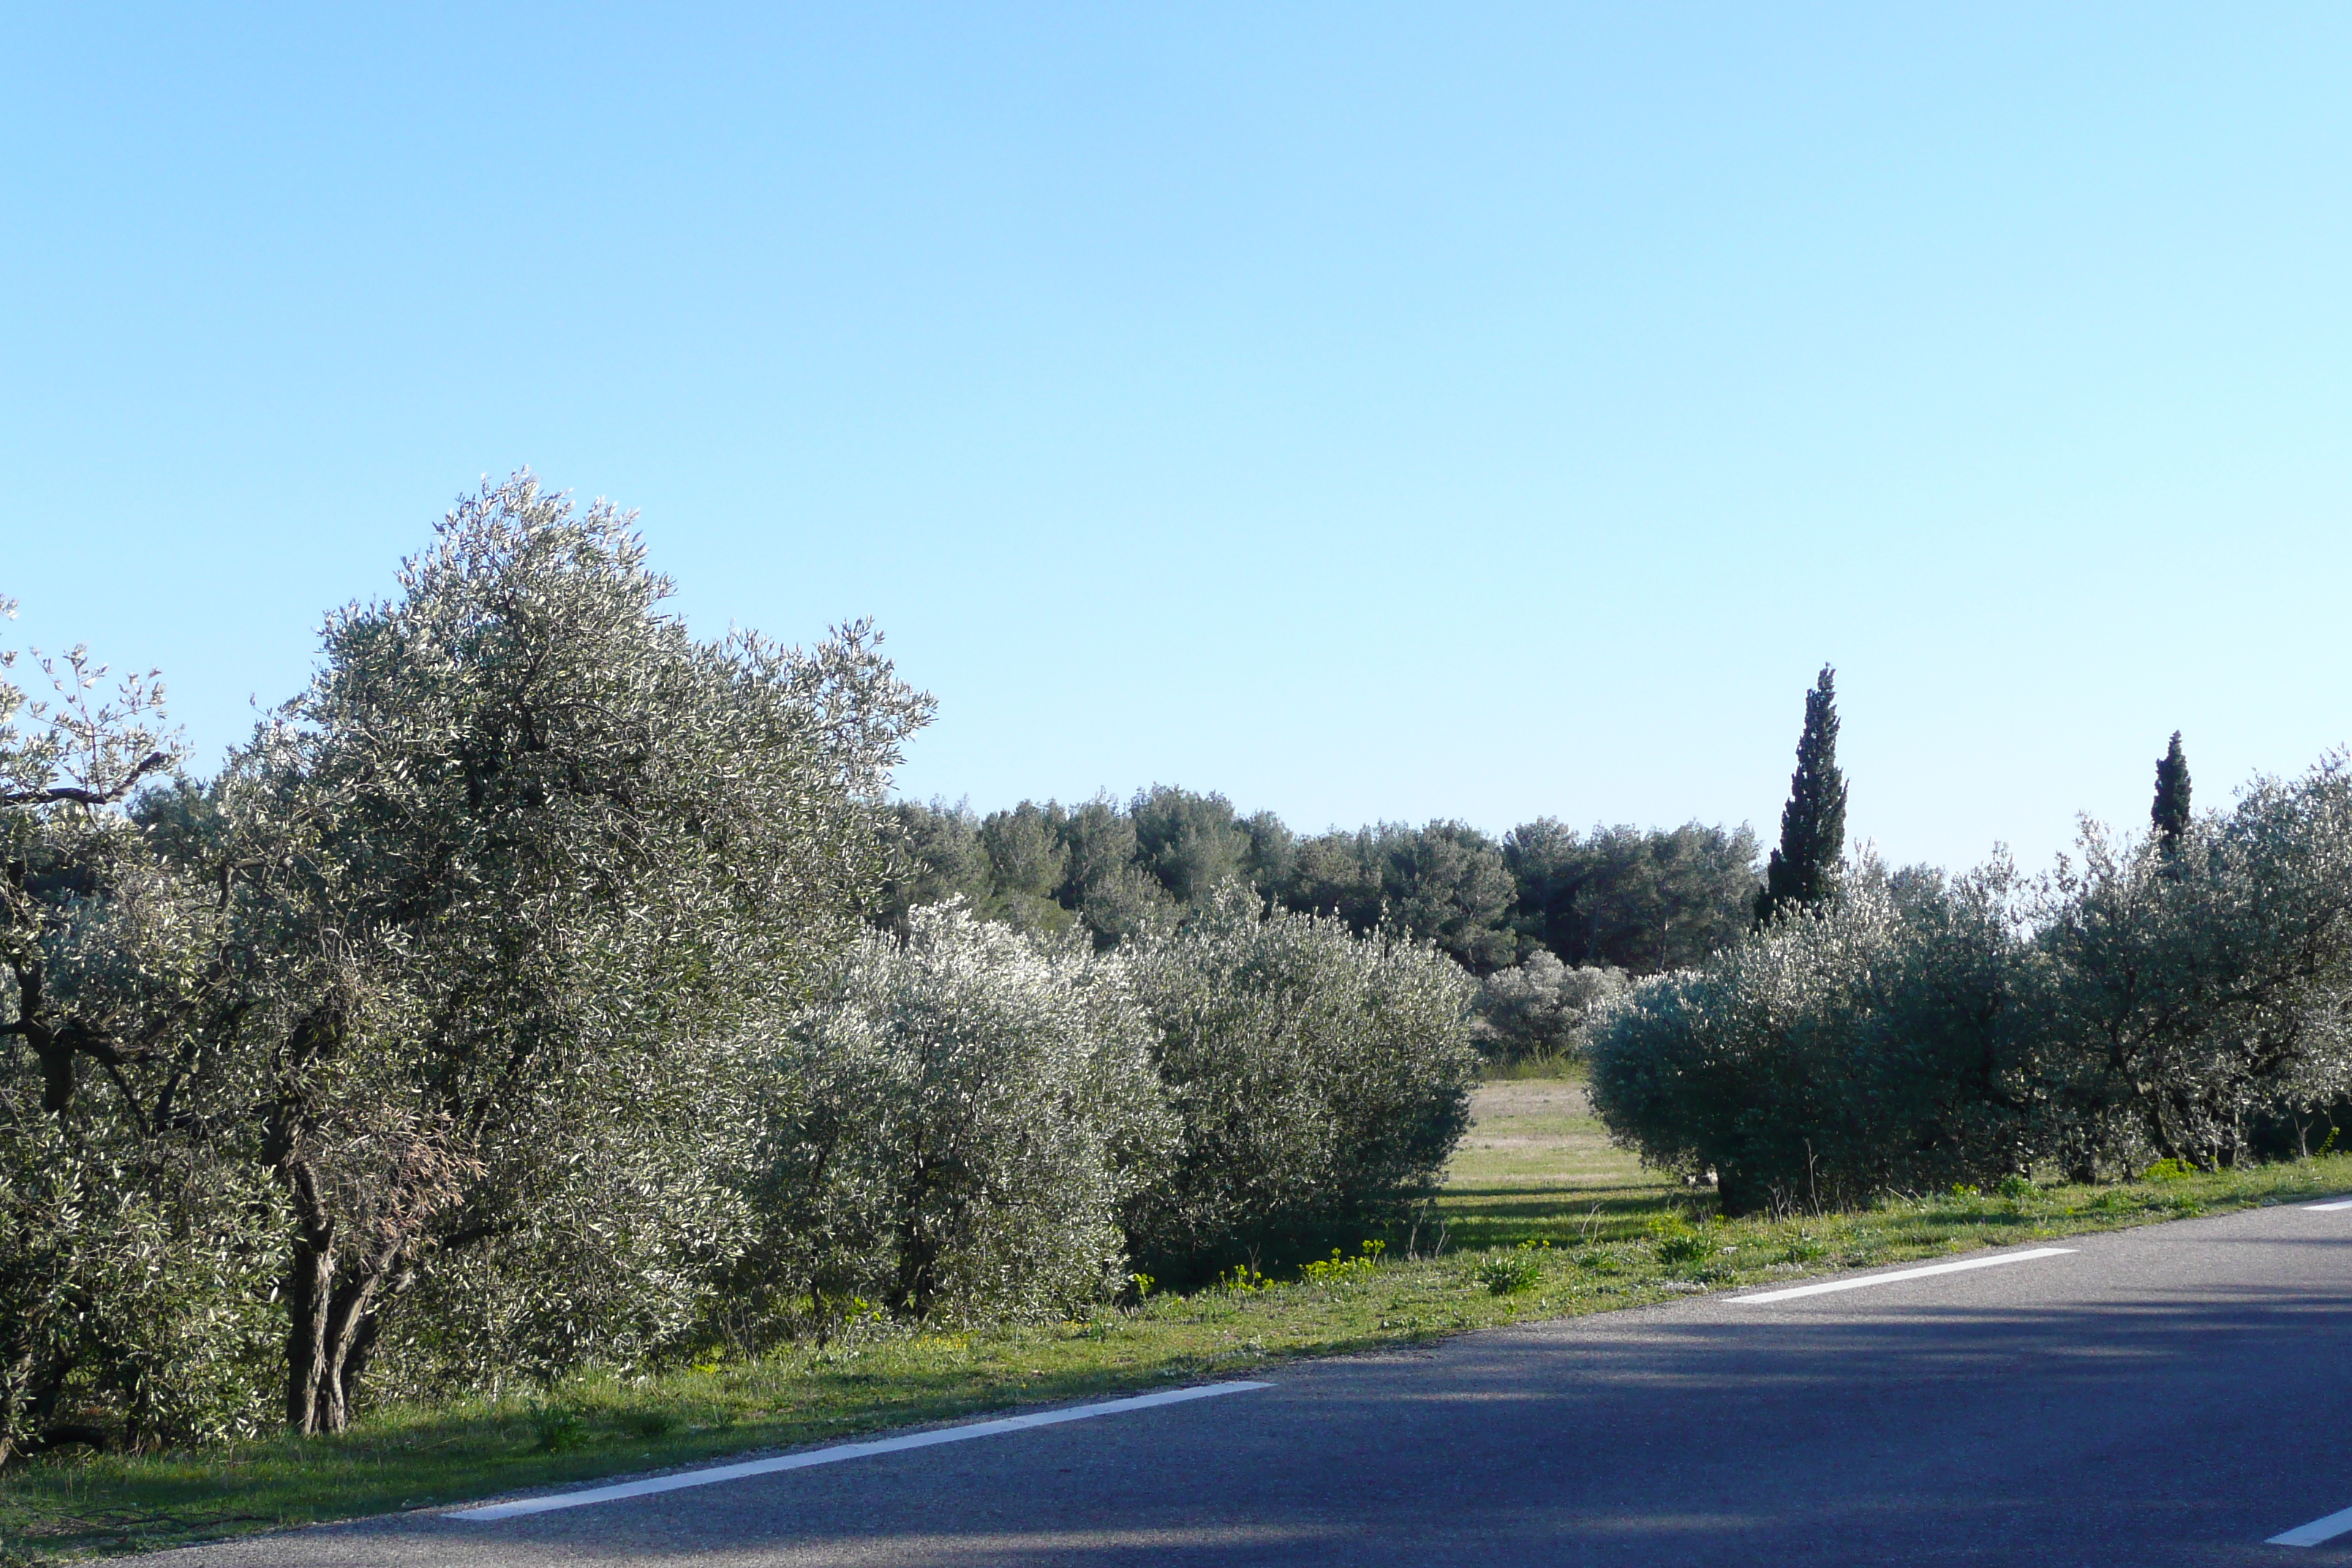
{"x":1369,"y":413}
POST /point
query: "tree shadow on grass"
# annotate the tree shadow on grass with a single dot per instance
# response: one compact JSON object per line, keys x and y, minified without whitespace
{"x":1505,"y":1215}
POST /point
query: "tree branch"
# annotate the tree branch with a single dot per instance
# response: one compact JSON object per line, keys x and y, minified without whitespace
{"x":62,"y":794}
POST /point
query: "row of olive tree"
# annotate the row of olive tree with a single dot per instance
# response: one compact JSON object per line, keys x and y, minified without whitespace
{"x":976,"y":1123}
{"x":510,"y":1002}
{"x":2185,"y":996}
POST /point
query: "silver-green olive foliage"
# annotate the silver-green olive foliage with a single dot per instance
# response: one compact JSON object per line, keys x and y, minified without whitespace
{"x":2182,"y":998}
{"x":1322,"y":1079}
{"x":1540,"y":1009}
{"x":136,"y":1243}
{"x":981,"y":1121}
{"x":508,"y":1003}
{"x":2207,"y":977}
{"x":441,"y":974}
{"x":536,"y":848}
{"x":952,"y":1133}
{"x":1846,"y":1048}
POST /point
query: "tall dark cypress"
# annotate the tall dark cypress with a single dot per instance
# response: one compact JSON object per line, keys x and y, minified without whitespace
{"x":1803,"y":870}
{"x":2170,"y":812}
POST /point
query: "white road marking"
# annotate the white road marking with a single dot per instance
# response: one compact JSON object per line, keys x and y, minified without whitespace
{"x":840,"y":1451}
{"x":2323,"y":1208}
{"x":2318,"y":1530}
{"x":1824,"y":1289}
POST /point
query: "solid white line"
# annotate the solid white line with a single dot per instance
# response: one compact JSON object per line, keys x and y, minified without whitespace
{"x":840,"y":1451}
{"x":2323,"y":1208}
{"x":2317,"y":1531}
{"x":1824,"y":1289}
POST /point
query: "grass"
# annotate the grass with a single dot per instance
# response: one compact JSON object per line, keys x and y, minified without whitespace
{"x":1539,"y":1218}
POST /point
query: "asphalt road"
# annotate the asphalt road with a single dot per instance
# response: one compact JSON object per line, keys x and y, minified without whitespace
{"x":2172,"y":1395}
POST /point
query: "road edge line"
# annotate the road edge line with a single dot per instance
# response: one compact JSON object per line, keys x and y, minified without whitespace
{"x":2317,"y":1531}
{"x":491,"y":1513}
{"x":1827,"y":1287}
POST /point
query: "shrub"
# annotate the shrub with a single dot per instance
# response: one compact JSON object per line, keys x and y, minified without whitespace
{"x":134,"y":1281}
{"x":952,"y":1133}
{"x":2208,"y":980}
{"x":2171,"y":999}
{"x":1541,"y":1010}
{"x":1888,"y":1041}
{"x":1322,"y":1079}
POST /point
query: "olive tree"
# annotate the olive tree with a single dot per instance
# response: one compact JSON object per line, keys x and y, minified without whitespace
{"x":66,"y":763}
{"x":481,"y":910}
{"x":1894,"y":1038}
{"x":2206,"y":972}
{"x":532,"y":847}
{"x":2166,"y":996}
{"x":136,"y":1250}
{"x":1322,"y":1078}
{"x":1540,"y":1009}
{"x":950,"y":1133}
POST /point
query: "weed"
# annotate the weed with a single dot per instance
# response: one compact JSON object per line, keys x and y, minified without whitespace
{"x":1804,"y":1247}
{"x":1340,"y":1269}
{"x":558,"y":1429}
{"x":1507,"y":1273}
{"x":2016,"y":1187}
{"x":1678,"y":1243}
{"x":2170,"y":1171}
{"x":1242,"y":1279}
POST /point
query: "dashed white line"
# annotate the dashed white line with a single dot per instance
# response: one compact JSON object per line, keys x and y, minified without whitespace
{"x":840,"y":1452}
{"x":2318,"y":1530}
{"x":1824,"y":1289}
{"x":2336,"y":1204}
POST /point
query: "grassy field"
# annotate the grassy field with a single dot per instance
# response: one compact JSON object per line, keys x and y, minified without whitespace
{"x":1537,"y":1167}
{"x":1540,"y":1218}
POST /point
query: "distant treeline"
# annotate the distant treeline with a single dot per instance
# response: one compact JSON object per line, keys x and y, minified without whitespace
{"x":1642,"y":901}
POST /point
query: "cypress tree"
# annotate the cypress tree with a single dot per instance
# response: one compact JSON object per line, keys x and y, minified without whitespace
{"x":1803,"y":870}
{"x":2170,"y":812}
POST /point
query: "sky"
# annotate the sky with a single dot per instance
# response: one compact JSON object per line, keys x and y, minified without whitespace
{"x":1368,"y":413}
